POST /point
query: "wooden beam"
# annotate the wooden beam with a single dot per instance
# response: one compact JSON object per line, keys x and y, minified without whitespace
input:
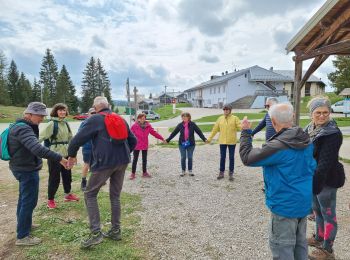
{"x":313,"y":67}
{"x":325,"y":50}
{"x":297,"y":91}
{"x":343,"y":18}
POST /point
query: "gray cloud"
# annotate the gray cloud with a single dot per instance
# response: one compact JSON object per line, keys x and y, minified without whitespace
{"x":190,"y":44}
{"x":206,"y":15}
{"x":209,"y":58}
{"x":97,"y":41}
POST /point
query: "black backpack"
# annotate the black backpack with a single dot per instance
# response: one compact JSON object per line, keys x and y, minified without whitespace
{"x":52,"y":139}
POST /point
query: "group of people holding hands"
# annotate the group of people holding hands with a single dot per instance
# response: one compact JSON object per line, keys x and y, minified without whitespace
{"x":300,"y":167}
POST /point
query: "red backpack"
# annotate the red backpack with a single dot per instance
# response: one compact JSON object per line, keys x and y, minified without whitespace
{"x":116,"y":126}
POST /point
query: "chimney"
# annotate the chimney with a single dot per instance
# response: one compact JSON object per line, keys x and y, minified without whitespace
{"x":226,"y":72}
{"x":271,"y":68}
{"x":222,"y":73}
{"x":211,"y":77}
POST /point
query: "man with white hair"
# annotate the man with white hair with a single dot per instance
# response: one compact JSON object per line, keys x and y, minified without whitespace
{"x":109,"y":160}
{"x":266,"y":122}
{"x":288,"y":168}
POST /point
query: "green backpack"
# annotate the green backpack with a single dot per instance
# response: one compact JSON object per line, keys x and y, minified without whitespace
{"x":4,"y":150}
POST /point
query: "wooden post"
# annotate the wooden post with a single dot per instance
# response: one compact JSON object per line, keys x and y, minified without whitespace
{"x":297,"y":90}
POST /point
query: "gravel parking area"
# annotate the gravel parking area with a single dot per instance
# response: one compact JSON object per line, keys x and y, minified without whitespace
{"x":202,"y":218}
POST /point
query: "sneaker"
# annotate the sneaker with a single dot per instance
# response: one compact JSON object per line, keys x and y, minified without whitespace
{"x":220,"y":176}
{"x":146,"y":175}
{"x":321,"y":254}
{"x":28,"y":241}
{"x":93,"y":239}
{"x":311,"y":241}
{"x":113,"y":234}
{"x":132,"y":176}
{"x":51,"y":204}
{"x":191,"y":173}
{"x":70,"y":197}
{"x":182,"y":174}
{"x":83,"y":184}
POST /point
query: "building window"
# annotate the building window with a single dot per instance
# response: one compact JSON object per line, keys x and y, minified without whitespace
{"x":219,"y":90}
{"x":307,"y":89}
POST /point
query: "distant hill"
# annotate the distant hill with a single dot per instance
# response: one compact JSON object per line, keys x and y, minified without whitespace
{"x":120,"y":102}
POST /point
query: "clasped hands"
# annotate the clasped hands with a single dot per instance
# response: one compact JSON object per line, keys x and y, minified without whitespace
{"x":68,"y":163}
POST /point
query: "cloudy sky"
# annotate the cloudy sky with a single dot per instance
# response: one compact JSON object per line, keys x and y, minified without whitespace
{"x":177,"y":43}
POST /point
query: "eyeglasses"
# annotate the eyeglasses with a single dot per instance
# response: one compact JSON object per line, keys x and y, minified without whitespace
{"x":225,"y":109}
{"x":319,"y":113}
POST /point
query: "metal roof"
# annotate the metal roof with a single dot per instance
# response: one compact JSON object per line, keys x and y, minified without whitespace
{"x":260,"y":74}
{"x":290,"y":75}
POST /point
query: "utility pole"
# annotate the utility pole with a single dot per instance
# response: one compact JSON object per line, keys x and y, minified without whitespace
{"x":165,"y":95}
{"x":135,"y":100}
{"x":127,"y":86}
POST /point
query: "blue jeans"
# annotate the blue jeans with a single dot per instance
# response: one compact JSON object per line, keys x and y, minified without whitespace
{"x":27,"y":200}
{"x":231,"y":152}
{"x":186,"y":153}
{"x":287,"y":237}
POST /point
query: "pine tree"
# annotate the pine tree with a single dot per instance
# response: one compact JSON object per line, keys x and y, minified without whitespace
{"x":24,"y":89}
{"x":89,"y":85}
{"x":66,"y":91}
{"x":48,"y":77}
{"x":4,"y":94}
{"x":103,"y":83}
{"x":340,"y":78}
{"x":12,"y":83}
{"x":36,"y":92}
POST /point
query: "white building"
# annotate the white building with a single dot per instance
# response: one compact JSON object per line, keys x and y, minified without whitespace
{"x":249,"y":88}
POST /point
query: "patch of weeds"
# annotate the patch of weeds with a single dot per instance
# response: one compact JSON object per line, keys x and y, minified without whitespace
{"x":344,"y":159}
{"x":63,"y":229}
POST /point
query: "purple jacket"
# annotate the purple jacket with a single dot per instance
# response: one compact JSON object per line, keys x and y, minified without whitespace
{"x":142,"y":135}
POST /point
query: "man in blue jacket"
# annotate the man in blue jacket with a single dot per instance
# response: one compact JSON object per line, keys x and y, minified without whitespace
{"x":109,"y":161}
{"x":288,"y":168}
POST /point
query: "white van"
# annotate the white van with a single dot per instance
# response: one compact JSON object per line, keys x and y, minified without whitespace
{"x":151,"y":115}
{"x":338,"y":107}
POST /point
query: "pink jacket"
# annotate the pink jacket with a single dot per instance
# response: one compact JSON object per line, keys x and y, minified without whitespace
{"x":142,"y":135}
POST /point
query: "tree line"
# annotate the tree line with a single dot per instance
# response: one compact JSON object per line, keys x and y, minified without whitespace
{"x":53,"y":86}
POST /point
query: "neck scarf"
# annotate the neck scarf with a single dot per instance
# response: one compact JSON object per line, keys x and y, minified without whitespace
{"x":187,"y":132}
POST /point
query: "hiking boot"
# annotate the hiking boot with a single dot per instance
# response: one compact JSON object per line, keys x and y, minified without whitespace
{"x":70,"y":197}
{"x":113,"y":234}
{"x":312,"y":241}
{"x":93,"y":239}
{"x":28,"y":241}
{"x":146,"y":175}
{"x":132,"y":176}
{"x":190,"y":173}
{"x":51,"y":204}
{"x":321,"y":254}
{"x":220,"y":176}
{"x":83,"y":184}
{"x":182,"y":174}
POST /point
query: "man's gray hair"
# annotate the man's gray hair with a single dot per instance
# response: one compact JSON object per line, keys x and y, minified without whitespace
{"x":272,"y":100}
{"x":98,"y":101}
{"x":282,"y":113}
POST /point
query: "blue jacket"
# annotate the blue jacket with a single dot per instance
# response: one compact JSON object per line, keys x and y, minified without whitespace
{"x":266,"y":122}
{"x":288,"y":167}
{"x":106,"y":153}
{"x":87,"y":147}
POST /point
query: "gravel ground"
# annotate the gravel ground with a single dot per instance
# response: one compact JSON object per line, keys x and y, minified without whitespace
{"x":202,"y":218}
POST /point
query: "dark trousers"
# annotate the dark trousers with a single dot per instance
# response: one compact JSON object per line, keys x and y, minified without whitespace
{"x":27,"y":200}
{"x":135,"y":159}
{"x":56,"y":170}
{"x":96,"y":181}
{"x":186,"y":152}
{"x":231,"y":152}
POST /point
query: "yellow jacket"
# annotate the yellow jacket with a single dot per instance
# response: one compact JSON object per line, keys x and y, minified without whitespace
{"x":228,"y":127}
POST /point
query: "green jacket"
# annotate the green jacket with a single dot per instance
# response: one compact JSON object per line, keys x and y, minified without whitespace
{"x":63,"y":135}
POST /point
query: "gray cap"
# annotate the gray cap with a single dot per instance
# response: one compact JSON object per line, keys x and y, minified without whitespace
{"x":36,"y":108}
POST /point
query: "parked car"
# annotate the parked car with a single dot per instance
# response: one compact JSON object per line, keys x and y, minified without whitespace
{"x":338,"y":107}
{"x":151,"y":115}
{"x":82,"y":116}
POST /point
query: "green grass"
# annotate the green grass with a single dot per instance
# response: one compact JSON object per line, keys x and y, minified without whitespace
{"x":63,"y":229}
{"x":9,"y":114}
{"x":344,"y":160}
{"x":179,"y":105}
{"x":239,"y":115}
{"x":208,"y":127}
{"x":166,"y":112}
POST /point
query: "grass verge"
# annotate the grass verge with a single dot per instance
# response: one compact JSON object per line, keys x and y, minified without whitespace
{"x":63,"y":229}
{"x":208,"y":127}
{"x":344,"y":160}
{"x":166,"y":112}
{"x":213,"y":118}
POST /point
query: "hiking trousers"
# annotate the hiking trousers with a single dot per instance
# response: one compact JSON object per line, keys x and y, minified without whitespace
{"x":96,"y":181}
